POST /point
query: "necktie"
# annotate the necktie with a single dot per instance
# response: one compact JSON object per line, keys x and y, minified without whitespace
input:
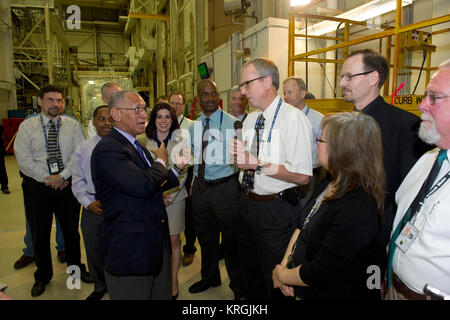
{"x":54,"y":152}
{"x":248,"y":179}
{"x":201,"y":167}
{"x":413,"y":208}
{"x":139,"y":150}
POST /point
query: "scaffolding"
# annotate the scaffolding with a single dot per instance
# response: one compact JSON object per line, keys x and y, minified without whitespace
{"x":344,"y":43}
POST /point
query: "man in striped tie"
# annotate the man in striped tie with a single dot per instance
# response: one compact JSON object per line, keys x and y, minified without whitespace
{"x":419,"y":250}
{"x":44,"y":149}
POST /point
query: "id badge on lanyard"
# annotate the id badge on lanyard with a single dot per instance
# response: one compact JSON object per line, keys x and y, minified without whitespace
{"x":407,"y":237}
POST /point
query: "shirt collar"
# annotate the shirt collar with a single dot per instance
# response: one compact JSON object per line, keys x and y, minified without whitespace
{"x":126,"y":135}
{"x":270,"y":110}
{"x":377,"y":101}
{"x":45,"y":119}
{"x":214,"y":117}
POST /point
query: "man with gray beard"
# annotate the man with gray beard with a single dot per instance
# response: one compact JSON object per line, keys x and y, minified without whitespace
{"x":419,"y":250}
{"x":362,"y":76}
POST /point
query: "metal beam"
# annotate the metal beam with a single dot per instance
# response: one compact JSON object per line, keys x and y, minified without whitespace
{"x":139,"y":15}
{"x":28,"y":79}
{"x":382,"y":34}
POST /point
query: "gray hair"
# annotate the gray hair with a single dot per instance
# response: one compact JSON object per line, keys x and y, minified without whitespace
{"x":235,"y":88}
{"x":106,"y":86}
{"x":266,"y":68}
{"x":299,"y":81}
{"x":118,"y":97}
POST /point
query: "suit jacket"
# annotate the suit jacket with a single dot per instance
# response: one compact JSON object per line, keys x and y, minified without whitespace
{"x":135,"y":220}
{"x":402,"y":148}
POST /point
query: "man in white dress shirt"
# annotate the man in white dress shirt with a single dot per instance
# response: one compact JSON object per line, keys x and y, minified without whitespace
{"x":178,"y":102}
{"x":294,"y":93}
{"x":419,"y":250}
{"x":44,"y":149}
{"x":275,"y":159}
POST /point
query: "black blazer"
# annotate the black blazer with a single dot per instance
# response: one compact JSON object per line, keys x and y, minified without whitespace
{"x":337,"y":246}
{"x":402,"y":148}
{"x":135,"y":220}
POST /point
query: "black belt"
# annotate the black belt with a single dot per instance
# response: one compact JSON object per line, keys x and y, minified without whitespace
{"x":220,"y":180}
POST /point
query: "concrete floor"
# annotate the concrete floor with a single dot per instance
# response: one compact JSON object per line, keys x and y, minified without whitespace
{"x":20,"y":282}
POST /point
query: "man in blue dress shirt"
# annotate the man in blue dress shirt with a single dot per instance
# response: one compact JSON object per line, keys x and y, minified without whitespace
{"x":215,"y":189}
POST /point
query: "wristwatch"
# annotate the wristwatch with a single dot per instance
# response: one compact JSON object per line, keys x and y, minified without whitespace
{"x":259,"y":168}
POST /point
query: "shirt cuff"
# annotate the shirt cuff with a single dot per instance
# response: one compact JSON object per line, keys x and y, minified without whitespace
{"x":161,"y":161}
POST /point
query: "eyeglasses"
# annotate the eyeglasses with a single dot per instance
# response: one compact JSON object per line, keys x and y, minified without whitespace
{"x":137,"y":110}
{"x":433,"y":97}
{"x":246,"y":83}
{"x":349,"y":77}
{"x":175,"y":103}
{"x":318,"y":140}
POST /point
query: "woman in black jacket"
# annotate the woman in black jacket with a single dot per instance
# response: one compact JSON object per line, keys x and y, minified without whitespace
{"x":333,"y":254}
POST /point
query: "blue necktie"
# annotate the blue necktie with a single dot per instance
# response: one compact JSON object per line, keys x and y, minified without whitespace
{"x":139,"y":150}
{"x":426,"y":186}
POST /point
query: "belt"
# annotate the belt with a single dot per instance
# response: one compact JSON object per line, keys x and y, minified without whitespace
{"x":405,"y":291}
{"x":220,"y":180}
{"x":257,"y":197}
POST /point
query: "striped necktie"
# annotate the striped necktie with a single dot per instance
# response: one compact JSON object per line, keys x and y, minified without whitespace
{"x":413,"y":208}
{"x":201,"y":167}
{"x":54,"y":152}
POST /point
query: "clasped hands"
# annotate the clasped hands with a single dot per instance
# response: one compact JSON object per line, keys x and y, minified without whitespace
{"x":56,"y":182}
{"x":277,"y":276}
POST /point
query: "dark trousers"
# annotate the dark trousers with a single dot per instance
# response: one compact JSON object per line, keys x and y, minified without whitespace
{"x":40,"y":204}
{"x":151,"y":287}
{"x":3,"y":174}
{"x":189,"y":230}
{"x":215,"y":210}
{"x":264,"y":231}
{"x":90,"y":228}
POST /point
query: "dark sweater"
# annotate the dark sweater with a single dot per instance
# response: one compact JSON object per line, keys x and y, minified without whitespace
{"x":337,"y":246}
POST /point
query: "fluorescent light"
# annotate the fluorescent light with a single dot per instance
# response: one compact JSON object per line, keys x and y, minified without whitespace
{"x":299,"y":2}
{"x":362,"y":13}
{"x":91,"y":82}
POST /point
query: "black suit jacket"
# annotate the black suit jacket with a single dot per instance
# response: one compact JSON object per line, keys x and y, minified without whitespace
{"x":402,"y":148}
{"x":135,"y":219}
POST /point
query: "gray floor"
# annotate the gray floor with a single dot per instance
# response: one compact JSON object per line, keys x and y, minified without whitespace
{"x":12,"y":230}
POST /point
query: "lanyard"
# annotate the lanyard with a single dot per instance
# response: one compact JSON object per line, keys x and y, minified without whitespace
{"x":435,"y":188}
{"x":58,"y":125}
{"x":273,"y":121}
{"x":307,"y":110}
{"x":181,"y":121}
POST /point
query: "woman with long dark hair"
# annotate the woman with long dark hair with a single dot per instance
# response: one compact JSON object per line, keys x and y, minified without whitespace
{"x":163,"y":127}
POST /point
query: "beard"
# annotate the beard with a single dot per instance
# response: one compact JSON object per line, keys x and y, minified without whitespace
{"x":427,"y":130}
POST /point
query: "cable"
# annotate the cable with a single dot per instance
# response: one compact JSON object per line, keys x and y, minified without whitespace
{"x":423,"y":62}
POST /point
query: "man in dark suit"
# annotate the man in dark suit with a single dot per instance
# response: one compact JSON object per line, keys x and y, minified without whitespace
{"x":363,"y":75}
{"x":128,"y":182}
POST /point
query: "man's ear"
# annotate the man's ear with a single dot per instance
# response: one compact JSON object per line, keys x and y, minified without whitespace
{"x":115,"y":114}
{"x":39,"y":101}
{"x":374,"y":78}
{"x":303,"y":94}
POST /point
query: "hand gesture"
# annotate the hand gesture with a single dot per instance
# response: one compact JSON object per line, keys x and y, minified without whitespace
{"x":161,"y":153}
